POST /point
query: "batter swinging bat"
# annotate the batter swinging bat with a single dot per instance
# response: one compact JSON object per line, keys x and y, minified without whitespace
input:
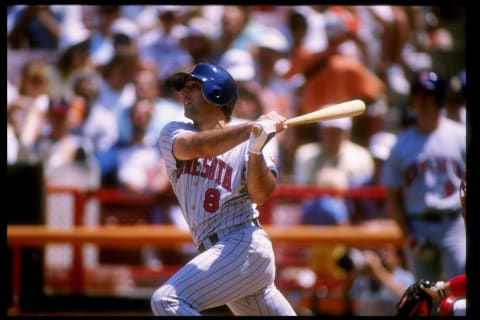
{"x":345,"y":109}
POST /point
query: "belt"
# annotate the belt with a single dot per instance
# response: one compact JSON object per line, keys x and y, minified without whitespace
{"x":435,"y":216}
{"x":213,"y":238}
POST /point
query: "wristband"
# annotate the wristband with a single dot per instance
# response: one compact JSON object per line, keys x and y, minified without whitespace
{"x":440,"y":286}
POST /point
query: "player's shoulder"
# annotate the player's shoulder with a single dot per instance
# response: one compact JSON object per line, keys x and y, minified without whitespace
{"x":176,"y":125}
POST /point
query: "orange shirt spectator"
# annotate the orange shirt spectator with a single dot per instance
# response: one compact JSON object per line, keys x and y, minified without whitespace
{"x":331,"y":76}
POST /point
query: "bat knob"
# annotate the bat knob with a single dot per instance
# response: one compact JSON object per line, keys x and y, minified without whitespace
{"x":256,"y":130}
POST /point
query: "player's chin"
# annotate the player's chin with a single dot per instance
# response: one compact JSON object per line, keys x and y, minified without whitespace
{"x":190,"y":115}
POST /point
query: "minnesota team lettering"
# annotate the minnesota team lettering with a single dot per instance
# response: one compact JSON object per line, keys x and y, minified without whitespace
{"x":438,"y":165}
{"x":213,"y":169}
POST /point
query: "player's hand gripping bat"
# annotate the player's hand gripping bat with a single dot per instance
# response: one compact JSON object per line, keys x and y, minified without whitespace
{"x":351,"y":108}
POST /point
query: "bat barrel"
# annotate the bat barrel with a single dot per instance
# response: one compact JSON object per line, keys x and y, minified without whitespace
{"x":351,"y":108}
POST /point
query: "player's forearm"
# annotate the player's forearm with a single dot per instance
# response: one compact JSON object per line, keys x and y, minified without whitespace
{"x":458,"y":285}
{"x":210,"y":143}
{"x":260,"y":180}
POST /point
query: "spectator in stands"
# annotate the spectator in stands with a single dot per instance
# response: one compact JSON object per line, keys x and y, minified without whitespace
{"x":34,"y":27}
{"x":240,"y":64}
{"x":333,"y":149}
{"x":443,"y":37}
{"x":148,"y":86}
{"x":101,"y":45}
{"x":85,"y":88}
{"x":236,"y":30}
{"x":161,"y":46}
{"x":116,"y":91}
{"x":140,"y":166}
{"x":73,"y":56}
{"x":144,"y":15}
{"x":375,"y":285}
{"x":333,"y":75}
{"x":395,"y":33}
{"x":248,"y":105}
{"x":333,"y":162}
{"x":27,"y":109}
{"x":68,"y":159}
{"x":125,"y":34}
{"x":196,"y":40}
{"x":95,"y":123}
{"x":455,"y":107}
{"x":12,"y":138}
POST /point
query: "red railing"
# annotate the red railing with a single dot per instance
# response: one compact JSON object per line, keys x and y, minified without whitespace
{"x":119,"y":197}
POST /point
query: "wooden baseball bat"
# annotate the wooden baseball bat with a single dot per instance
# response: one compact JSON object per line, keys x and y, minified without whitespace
{"x":345,"y":109}
{"x":350,"y":108}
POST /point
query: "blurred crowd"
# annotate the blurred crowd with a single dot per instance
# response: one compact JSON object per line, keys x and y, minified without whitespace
{"x":88,"y":90}
{"x":90,"y":83}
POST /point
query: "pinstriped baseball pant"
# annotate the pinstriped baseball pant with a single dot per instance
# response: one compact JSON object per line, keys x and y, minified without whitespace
{"x":238,"y":271}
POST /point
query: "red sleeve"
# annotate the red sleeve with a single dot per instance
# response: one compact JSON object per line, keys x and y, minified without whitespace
{"x":458,"y":285}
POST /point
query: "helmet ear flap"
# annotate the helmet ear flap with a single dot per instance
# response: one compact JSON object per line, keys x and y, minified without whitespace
{"x":216,"y":92}
{"x":211,"y":92}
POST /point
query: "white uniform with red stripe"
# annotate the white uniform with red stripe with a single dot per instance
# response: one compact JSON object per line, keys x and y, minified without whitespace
{"x":237,"y":267}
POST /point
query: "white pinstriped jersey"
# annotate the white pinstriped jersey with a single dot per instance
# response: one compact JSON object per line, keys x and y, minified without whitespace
{"x":212,"y":192}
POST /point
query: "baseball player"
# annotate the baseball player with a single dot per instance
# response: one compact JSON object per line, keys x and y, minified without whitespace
{"x":450,"y":295}
{"x":219,"y":172}
{"x":422,"y":175}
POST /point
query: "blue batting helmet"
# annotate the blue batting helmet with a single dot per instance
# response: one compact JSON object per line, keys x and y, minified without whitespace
{"x":219,"y":87}
{"x":429,"y":81}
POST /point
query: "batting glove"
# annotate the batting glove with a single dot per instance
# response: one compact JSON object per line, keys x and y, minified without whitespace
{"x":262,"y":132}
